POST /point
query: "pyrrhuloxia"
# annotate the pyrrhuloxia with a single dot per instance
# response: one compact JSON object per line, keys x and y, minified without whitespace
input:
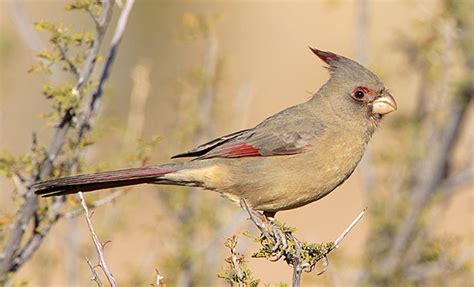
{"x":292,"y":158}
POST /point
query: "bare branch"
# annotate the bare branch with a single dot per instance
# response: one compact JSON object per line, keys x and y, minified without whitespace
{"x":98,"y":246}
{"x":105,"y":200}
{"x":101,"y":26}
{"x":95,"y":276}
{"x":85,"y":123}
{"x":455,"y":181}
{"x":37,"y":238}
{"x":301,"y":265}
{"x":349,"y":228}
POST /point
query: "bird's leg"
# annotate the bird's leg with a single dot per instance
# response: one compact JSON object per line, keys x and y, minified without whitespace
{"x":266,"y":223}
{"x":276,"y":231}
{"x":256,"y":217}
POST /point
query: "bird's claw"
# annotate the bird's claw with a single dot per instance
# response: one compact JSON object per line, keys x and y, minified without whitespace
{"x":279,"y":237}
{"x":272,"y":232}
{"x":325,"y":266}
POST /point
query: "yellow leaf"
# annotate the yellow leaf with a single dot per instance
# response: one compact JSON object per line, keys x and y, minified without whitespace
{"x":189,"y":20}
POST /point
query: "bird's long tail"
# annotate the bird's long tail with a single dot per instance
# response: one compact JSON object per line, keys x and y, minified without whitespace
{"x":102,"y":180}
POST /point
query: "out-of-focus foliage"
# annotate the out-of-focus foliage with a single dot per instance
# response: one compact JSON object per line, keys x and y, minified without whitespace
{"x":197,"y":92}
{"x":442,"y":53}
{"x":68,"y":51}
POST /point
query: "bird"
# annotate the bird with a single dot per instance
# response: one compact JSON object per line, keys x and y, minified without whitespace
{"x":294,"y":157}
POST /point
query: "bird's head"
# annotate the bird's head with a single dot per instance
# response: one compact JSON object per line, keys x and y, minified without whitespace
{"x":355,"y":93}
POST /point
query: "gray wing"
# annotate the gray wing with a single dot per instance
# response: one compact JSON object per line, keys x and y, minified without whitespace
{"x":289,"y":132}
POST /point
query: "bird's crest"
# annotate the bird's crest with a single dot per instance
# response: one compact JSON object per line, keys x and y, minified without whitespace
{"x":328,"y":57}
{"x":347,"y":69}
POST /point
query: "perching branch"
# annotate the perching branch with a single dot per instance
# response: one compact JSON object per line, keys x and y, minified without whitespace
{"x":99,"y":247}
{"x":278,"y":242}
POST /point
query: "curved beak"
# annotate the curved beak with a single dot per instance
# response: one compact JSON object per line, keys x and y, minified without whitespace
{"x":384,"y":104}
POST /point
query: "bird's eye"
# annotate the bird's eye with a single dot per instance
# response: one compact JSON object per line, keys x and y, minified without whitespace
{"x":359,"y":93}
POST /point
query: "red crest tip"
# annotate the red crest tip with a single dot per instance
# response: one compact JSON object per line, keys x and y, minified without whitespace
{"x":327,"y":57}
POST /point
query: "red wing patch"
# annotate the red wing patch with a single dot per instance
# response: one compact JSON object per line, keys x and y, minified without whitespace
{"x":237,"y":150}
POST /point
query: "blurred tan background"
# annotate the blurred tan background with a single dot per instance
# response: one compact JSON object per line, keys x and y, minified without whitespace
{"x":264,"y":65}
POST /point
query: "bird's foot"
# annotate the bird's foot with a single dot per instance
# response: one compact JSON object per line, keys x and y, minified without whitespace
{"x":279,"y":236}
{"x":272,"y":231}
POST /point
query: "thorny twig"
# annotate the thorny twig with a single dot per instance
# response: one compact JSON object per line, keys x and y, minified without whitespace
{"x":105,"y":200}
{"x":86,"y":122}
{"x":99,"y":247}
{"x":95,"y":276}
{"x":302,"y":256}
{"x":159,"y":282}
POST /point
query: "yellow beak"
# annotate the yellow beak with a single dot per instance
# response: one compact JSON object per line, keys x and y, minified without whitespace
{"x":384,"y":104}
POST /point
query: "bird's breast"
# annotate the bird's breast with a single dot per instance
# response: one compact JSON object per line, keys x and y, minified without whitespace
{"x":284,"y":182}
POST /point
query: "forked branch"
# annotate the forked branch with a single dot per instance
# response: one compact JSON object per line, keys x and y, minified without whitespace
{"x":99,"y":247}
